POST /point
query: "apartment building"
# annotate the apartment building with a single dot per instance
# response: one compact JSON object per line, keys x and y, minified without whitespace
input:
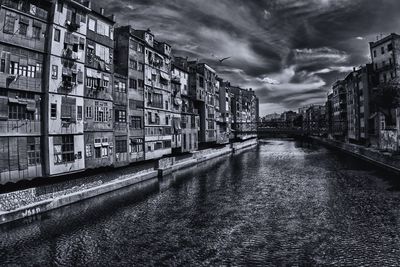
{"x":23,"y":34}
{"x":129,"y":63}
{"x":224,"y":119}
{"x":245,"y":112}
{"x":385,"y":55}
{"x":121,"y":126}
{"x":339,"y":102}
{"x":189,"y":115}
{"x":64,"y":139}
{"x":157,"y":96}
{"x":98,"y":90}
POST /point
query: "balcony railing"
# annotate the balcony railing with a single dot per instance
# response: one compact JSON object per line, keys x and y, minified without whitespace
{"x":14,"y":127}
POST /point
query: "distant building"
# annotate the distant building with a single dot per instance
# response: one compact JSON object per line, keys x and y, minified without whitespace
{"x":224,"y":99}
{"x":385,"y":57}
{"x":244,"y":112}
{"x":339,"y":101}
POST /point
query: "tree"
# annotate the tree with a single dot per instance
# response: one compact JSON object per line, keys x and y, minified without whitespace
{"x":386,"y":98}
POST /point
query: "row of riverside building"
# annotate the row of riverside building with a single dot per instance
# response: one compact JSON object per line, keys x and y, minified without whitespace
{"x":357,"y":109}
{"x":77,"y":93}
{"x":353,"y":111}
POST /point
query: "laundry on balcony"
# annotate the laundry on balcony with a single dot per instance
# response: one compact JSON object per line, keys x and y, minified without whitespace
{"x":75,"y":39}
{"x":67,"y":72}
{"x":178,"y":101}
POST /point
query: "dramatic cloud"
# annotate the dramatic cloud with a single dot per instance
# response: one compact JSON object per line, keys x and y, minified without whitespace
{"x":289,"y":51}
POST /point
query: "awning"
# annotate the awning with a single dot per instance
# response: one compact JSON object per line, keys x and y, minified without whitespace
{"x":105,"y":144}
{"x":90,"y":46}
{"x":106,"y":78}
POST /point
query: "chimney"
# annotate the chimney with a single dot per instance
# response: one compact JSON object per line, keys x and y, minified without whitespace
{"x":102,"y":11}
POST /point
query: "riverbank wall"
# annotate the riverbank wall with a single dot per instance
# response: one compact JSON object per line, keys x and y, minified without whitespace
{"x":29,"y":202}
{"x":381,"y":159}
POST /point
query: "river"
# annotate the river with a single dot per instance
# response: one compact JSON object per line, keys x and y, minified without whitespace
{"x":282,"y":203}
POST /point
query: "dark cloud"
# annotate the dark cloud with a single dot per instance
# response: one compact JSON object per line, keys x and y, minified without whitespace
{"x":290,"y":51}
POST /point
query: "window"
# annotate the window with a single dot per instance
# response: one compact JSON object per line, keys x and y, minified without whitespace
{"x":136,"y":122}
{"x":140,"y":67}
{"x":154,"y":77}
{"x":166,"y":120}
{"x":54,"y":71}
{"x":132,"y":84}
{"x":92,"y":24}
{"x":33,"y":150}
{"x":390,"y":47}
{"x":121,"y":146}
{"x":101,"y":112}
{"x":3,"y":65}
{"x":140,"y":83}
{"x":23,"y":70}
{"x":382,"y":50}
{"x":31,"y":71}
{"x":36,"y":32}
{"x":140,"y":48}
{"x":120,"y":115}
{"x":19,"y":112}
{"x":156,"y":100}
{"x":53,"y":111}
{"x":133,"y":64}
{"x":136,"y":145}
{"x":9,"y":23}
{"x":23,"y":28}
{"x":57,"y":35}
{"x":166,"y":104}
{"x":64,"y":149}
{"x":79,"y":113}
{"x":201,"y":82}
{"x":89,"y":111}
{"x":14,"y":66}
{"x":60,"y":6}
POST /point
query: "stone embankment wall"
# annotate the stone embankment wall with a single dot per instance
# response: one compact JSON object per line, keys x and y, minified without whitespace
{"x":385,"y":160}
{"x":21,"y":204}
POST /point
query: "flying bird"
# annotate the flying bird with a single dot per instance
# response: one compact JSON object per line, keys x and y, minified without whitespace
{"x":222,"y":60}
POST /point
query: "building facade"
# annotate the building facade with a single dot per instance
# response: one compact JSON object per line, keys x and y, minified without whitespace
{"x":339,"y":103}
{"x":24,"y":28}
{"x":98,"y":90}
{"x":129,"y":58}
{"x":189,"y":115}
{"x":157,"y":96}
{"x":64,"y":138}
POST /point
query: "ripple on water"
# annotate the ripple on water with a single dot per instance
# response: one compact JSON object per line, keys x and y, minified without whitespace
{"x":286,"y":203}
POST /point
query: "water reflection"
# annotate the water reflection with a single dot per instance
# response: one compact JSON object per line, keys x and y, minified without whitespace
{"x":285,"y":202}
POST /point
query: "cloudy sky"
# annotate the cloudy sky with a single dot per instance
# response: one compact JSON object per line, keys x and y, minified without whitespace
{"x":289,"y":51}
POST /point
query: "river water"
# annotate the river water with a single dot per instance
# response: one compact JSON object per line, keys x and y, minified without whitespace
{"x":283,"y":203}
